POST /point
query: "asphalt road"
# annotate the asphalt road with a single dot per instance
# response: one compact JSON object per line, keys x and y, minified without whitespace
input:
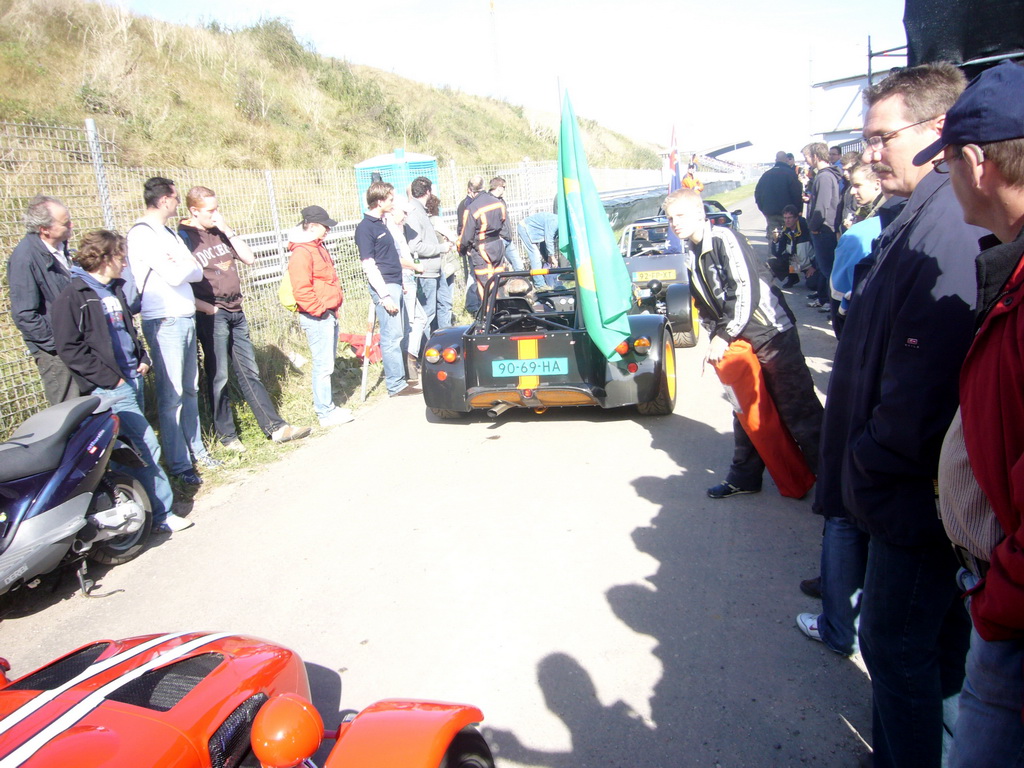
{"x":565,"y":572}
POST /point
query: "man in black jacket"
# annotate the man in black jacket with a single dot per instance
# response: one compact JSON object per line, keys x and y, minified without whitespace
{"x":95,"y":337}
{"x":892,"y":395}
{"x":38,"y":270}
{"x":731,"y":291}
{"x":777,"y":188}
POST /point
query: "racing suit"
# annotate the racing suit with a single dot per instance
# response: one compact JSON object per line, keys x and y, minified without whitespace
{"x":484,"y":227}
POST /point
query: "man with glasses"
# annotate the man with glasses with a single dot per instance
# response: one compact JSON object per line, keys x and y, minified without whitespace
{"x":37,"y":271}
{"x":980,"y":482}
{"x":164,"y":269}
{"x":892,"y":395}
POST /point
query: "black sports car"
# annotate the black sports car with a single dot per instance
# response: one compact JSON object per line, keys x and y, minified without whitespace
{"x":529,"y":348}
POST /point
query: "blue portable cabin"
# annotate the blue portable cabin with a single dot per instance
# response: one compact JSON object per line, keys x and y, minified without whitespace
{"x":398,"y":169}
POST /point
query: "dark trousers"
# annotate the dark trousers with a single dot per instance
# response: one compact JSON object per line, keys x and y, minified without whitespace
{"x":792,"y":390}
{"x":914,"y":635}
{"x":224,"y":337}
{"x":824,"y":257}
{"x":58,"y":383}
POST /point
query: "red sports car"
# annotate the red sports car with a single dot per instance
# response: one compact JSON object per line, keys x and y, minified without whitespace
{"x":211,"y":700}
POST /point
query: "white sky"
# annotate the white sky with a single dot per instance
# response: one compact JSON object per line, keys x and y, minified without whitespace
{"x":737,"y":70}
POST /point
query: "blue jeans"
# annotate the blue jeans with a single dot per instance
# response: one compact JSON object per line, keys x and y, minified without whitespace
{"x":128,"y":405}
{"x":824,"y":257}
{"x":391,"y":332}
{"x":427,"y":290}
{"x":989,"y":733}
{"x":172,"y":342}
{"x":914,"y":635}
{"x":224,"y":337}
{"x":322,"y":335}
{"x":532,"y":253}
{"x":513,"y":256}
{"x":445,"y":295}
{"x":844,"y":556}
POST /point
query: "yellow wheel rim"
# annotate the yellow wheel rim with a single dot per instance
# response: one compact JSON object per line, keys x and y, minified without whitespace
{"x":670,"y":368}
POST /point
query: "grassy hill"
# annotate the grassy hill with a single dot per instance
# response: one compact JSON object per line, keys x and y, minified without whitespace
{"x":249,"y":98}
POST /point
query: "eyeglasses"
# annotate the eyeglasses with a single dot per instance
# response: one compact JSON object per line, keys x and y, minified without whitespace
{"x":942,"y":164}
{"x":876,"y":143}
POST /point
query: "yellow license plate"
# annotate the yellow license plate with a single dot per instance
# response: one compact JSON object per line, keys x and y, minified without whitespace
{"x":657,"y":274}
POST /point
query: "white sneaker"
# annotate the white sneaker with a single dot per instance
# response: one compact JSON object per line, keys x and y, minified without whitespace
{"x":336,"y":417}
{"x":173,"y":524}
{"x":235,"y":445}
{"x":808,"y":624}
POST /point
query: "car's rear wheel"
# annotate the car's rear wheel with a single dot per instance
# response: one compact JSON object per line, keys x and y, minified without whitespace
{"x":665,"y":401}
{"x":444,"y":413}
{"x":468,"y":750}
{"x":689,"y":338}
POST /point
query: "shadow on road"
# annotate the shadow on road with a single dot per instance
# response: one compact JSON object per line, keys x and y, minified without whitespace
{"x":740,"y":686}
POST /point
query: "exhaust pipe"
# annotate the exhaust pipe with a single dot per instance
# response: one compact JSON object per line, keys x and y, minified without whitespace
{"x":496,"y":411}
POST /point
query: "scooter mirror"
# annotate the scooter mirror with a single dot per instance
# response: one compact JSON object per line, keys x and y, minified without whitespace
{"x":286,"y":731}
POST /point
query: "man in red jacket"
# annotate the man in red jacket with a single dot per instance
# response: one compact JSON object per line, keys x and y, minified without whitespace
{"x":317,"y":291}
{"x":981,"y":472}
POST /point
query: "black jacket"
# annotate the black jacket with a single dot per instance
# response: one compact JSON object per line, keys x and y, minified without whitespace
{"x":732,"y":291}
{"x":777,"y":188}
{"x":83,"y":338}
{"x":893,"y":389}
{"x":34,"y":280}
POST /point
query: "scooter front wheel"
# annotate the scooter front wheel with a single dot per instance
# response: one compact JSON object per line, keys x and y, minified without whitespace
{"x":121,"y":549}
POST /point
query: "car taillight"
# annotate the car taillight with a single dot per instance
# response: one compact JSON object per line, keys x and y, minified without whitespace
{"x":432,"y":355}
{"x":623,"y":347}
{"x":642,"y":345}
{"x":450,"y":354}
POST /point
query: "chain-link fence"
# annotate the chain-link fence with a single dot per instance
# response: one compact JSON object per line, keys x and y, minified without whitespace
{"x":78,"y":165}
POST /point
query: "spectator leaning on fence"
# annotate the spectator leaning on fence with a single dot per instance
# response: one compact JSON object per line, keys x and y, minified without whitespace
{"x":164,"y":269}
{"x":318,"y":298}
{"x":37,"y":271}
{"x":221,"y":325}
{"x":96,"y":338}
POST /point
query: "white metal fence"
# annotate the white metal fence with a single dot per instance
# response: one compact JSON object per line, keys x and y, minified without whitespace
{"x":78,"y":165}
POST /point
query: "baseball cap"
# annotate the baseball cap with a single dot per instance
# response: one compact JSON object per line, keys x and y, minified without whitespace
{"x":317,"y":215}
{"x":991,"y":108}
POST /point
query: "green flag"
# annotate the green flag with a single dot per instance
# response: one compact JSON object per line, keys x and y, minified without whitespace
{"x":585,"y":237}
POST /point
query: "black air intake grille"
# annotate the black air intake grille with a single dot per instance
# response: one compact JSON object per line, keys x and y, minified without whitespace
{"x":59,"y":672}
{"x":162,"y":688}
{"x":229,"y":745}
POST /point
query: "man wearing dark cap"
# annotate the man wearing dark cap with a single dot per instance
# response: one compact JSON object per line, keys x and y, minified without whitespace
{"x":891,"y":397}
{"x":318,"y":297}
{"x":981,"y":482}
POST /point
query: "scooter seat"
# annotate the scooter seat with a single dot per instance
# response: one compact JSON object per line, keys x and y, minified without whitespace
{"x":38,"y":444}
